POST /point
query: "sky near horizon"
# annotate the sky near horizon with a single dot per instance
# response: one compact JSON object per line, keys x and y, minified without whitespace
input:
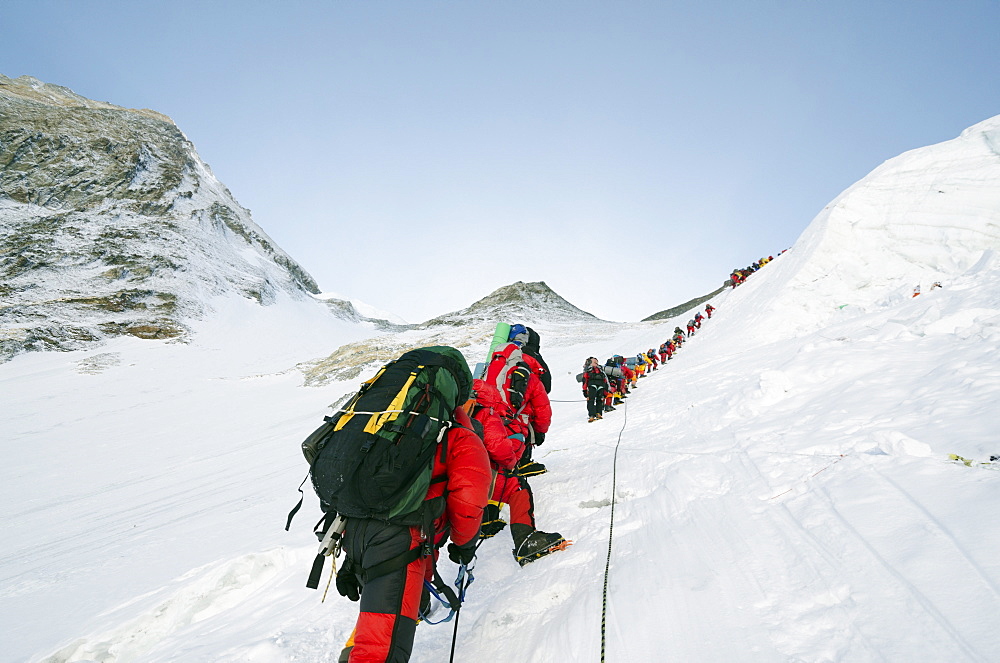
{"x":418,"y":155}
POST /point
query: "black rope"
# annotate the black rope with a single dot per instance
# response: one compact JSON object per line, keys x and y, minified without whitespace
{"x":611,"y":532}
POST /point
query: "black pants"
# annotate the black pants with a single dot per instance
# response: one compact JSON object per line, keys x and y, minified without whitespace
{"x":595,"y":401}
{"x":389,"y":603}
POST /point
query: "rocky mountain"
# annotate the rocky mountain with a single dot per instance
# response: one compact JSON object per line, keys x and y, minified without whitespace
{"x":522,"y":302}
{"x":345,"y":309}
{"x":683,"y":308}
{"x":111,"y":224}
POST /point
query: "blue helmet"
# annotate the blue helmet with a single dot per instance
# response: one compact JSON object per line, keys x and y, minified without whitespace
{"x":518,"y":334}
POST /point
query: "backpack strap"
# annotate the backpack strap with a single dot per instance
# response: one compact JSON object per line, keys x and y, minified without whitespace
{"x":295,"y":509}
{"x":330,"y":529}
{"x":390,"y":565}
{"x":413,"y":554}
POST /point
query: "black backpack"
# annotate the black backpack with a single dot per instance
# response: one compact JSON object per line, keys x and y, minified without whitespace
{"x":374,"y":457}
{"x":595,"y":377}
{"x":518,"y":386}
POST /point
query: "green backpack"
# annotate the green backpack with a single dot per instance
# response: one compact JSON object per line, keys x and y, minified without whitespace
{"x":374,"y":457}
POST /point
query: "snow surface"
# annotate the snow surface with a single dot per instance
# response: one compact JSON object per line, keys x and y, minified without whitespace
{"x":783,"y":490}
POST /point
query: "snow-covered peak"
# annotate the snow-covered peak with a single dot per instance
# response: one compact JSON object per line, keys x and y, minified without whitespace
{"x":528,"y":302}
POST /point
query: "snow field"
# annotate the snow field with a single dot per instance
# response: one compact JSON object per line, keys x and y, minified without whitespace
{"x":775,"y":502}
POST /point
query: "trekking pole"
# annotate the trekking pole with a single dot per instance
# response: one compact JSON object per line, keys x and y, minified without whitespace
{"x":461,"y":599}
{"x":454,"y":632}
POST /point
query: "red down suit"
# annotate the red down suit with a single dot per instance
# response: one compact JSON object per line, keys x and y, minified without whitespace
{"x":504,"y":439}
{"x":534,"y":409}
{"x":390,"y":603}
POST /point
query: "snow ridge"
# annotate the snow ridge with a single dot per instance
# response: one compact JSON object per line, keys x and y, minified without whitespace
{"x":926,"y":216}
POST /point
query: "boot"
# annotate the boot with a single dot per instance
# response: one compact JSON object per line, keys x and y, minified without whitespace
{"x":493,"y":524}
{"x":530,"y":544}
{"x":528,"y":468}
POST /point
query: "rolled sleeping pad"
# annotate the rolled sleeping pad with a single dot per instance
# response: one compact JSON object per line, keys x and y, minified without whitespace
{"x":500,"y":336}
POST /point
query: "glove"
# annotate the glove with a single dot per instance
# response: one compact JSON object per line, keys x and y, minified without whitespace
{"x":539,"y":438}
{"x":347,"y":583}
{"x":462,"y":554}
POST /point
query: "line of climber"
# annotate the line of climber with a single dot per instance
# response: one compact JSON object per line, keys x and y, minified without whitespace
{"x":739,"y":276}
{"x":605,"y":386}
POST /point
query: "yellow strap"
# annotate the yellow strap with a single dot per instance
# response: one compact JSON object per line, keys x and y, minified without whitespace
{"x":395,"y":407}
{"x":349,"y":412}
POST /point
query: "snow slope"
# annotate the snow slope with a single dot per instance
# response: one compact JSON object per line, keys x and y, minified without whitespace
{"x":927,"y":215}
{"x":782,"y":487}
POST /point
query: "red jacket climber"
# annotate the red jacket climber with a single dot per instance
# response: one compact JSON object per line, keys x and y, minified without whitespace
{"x":390,"y":602}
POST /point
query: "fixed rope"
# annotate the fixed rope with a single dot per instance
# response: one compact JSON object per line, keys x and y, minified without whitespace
{"x":611,"y":533}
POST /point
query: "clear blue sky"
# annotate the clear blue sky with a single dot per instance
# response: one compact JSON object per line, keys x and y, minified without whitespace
{"x":417,"y":155}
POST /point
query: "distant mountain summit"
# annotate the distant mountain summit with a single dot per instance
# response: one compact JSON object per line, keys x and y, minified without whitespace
{"x":518,"y":302}
{"x":111,"y":224}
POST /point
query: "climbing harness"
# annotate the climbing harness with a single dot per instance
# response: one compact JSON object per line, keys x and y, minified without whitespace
{"x":462,"y":583}
{"x":451,"y":600}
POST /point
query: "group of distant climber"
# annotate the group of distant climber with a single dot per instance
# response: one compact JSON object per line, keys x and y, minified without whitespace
{"x":739,"y":276}
{"x":934,"y":286}
{"x":605,"y":386}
